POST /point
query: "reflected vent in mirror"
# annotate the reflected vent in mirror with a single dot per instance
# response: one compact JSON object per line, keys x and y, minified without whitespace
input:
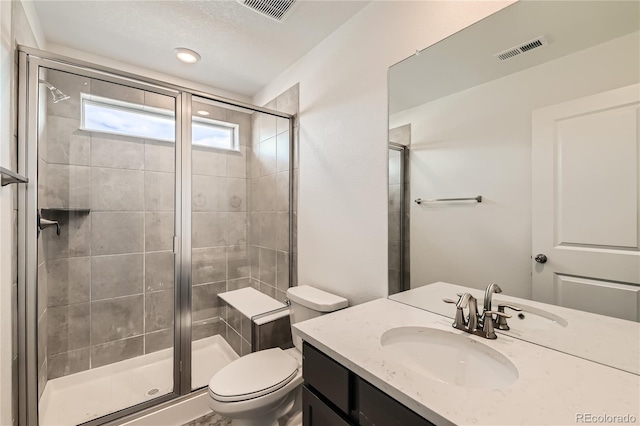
{"x":520,"y":49}
{"x":277,"y":10}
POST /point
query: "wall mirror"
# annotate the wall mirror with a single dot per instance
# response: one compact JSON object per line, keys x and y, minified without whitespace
{"x":514,"y":158}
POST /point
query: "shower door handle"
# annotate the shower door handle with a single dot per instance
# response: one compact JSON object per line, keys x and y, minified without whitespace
{"x":46,"y":223}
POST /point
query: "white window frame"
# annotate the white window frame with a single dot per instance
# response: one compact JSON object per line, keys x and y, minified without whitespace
{"x":86,"y":98}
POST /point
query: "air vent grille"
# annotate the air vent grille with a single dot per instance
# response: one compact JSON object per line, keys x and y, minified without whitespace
{"x":277,"y":10}
{"x":520,"y":49}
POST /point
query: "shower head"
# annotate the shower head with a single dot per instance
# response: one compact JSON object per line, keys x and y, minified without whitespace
{"x":57,"y":94}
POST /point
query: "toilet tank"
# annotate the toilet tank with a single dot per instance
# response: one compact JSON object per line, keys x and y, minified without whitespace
{"x":309,"y":302}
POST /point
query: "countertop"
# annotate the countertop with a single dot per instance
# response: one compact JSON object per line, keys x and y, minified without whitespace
{"x":587,"y":335}
{"x":552,"y":387}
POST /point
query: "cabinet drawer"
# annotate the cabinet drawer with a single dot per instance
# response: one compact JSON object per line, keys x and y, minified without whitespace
{"x":378,"y":409}
{"x":317,"y":413}
{"x":326,"y":376}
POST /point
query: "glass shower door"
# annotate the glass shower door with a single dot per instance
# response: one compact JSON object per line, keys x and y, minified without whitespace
{"x":105,"y":280}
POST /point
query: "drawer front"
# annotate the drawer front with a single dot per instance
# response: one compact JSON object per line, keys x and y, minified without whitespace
{"x":317,"y":413}
{"x":375,"y":408}
{"x":326,"y":376}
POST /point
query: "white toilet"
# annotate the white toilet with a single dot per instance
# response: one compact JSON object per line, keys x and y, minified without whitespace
{"x":263,"y":388}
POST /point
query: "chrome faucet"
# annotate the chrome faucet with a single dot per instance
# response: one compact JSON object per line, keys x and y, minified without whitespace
{"x":475,"y":323}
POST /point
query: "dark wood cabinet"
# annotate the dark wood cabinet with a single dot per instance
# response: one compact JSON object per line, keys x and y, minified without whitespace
{"x":335,"y":396}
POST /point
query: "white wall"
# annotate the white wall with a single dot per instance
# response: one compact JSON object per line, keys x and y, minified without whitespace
{"x":342,"y":216}
{"x":478,"y":142}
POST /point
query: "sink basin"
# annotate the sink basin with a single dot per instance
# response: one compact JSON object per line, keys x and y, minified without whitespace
{"x":533,"y":318}
{"x":451,"y":358}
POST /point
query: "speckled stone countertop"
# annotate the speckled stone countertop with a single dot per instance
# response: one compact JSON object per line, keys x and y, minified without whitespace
{"x":586,"y":335}
{"x":552,"y":387}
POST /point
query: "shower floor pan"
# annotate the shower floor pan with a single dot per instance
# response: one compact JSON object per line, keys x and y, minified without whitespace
{"x":80,"y":397}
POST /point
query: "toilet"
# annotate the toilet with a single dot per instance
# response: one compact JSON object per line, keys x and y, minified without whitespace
{"x":264,"y":387}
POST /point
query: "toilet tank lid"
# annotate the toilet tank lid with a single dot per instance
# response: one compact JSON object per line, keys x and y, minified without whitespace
{"x":316,"y":299}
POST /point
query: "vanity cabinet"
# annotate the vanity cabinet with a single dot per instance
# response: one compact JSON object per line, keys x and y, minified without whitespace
{"x":332,"y":395}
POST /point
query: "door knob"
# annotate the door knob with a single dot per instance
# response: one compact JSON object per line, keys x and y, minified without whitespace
{"x":540,"y":258}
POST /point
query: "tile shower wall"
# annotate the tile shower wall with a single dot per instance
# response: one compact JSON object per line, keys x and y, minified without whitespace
{"x":269,"y":198}
{"x":220,"y":259}
{"x":109,"y":275}
{"x":397,"y":239}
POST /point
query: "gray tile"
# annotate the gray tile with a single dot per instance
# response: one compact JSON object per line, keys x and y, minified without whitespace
{"x":245,"y":328}
{"x":208,"y":162}
{"x":282,"y":270}
{"x":115,"y":276}
{"x":268,"y":157}
{"x":117,"y":91}
{"x":205,"y":301}
{"x":158,"y":310}
{"x":117,"y":190}
{"x":236,"y":195}
{"x":74,"y":239}
{"x":268,"y":290}
{"x":245,"y":347}
{"x":209,"y":193}
{"x":69,"y":84}
{"x":159,"y":101}
{"x":43,"y":327}
{"x":158,"y":231}
{"x":117,"y":233}
{"x":268,"y":229}
{"x":394,"y":198}
{"x":212,"y":419}
{"x":68,"y":363}
{"x":116,"y":319}
{"x":66,"y":143}
{"x":255,"y":283}
{"x":281,"y":296}
{"x":282,"y":152}
{"x":254,"y":228}
{"x":268,"y":190}
{"x":43,"y":290}
{"x":294,"y":269}
{"x":238,"y":266}
{"x":267,"y":126}
{"x":267,"y":266}
{"x":67,"y":187}
{"x":158,"y":191}
{"x":207,"y":328}
{"x":68,"y":280}
{"x":244,"y":121}
{"x":234,"y":340}
{"x":254,"y":260}
{"x":158,"y":340}
{"x":159,"y":156}
{"x":117,"y":151}
{"x":111,"y":352}
{"x":282,"y":191}
{"x":282,"y":231}
{"x":42,"y":382}
{"x":253,"y":162}
{"x":234,"y":318}
{"x":236,"y":228}
{"x":159,"y":272}
{"x":68,"y":328}
{"x":209,"y":265}
{"x":209,"y":229}
{"x":237,"y":163}
{"x":238,"y":283}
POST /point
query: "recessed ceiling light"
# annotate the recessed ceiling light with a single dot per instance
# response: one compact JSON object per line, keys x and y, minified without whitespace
{"x":187,"y":56}
{"x":203,"y":112}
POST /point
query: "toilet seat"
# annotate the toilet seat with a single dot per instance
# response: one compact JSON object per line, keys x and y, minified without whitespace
{"x":253,"y":375}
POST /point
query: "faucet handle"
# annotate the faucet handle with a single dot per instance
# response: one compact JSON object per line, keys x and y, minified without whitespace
{"x":501,"y":307}
{"x":487,"y":328}
{"x":499,"y":314}
{"x":450,"y":301}
{"x":501,"y":318}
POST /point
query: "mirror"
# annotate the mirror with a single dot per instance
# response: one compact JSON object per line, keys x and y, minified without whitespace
{"x":529,"y":120}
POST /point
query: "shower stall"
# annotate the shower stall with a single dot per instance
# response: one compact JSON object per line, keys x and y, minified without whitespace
{"x":145,"y":202}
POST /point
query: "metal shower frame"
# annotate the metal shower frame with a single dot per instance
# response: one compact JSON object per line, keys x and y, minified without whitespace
{"x":29,"y":62}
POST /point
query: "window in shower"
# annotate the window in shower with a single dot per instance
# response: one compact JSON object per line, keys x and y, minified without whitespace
{"x":106,"y":115}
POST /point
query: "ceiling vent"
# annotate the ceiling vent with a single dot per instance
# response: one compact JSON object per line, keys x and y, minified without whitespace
{"x":278,"y":10}
{"x":520,"y":49}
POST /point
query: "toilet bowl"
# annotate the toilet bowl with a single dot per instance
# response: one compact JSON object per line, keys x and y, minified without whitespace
{"x":264,"y":387}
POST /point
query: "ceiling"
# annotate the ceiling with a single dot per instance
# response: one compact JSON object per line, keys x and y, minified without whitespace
{"x":466,"y":59}
{"x":241,"y":50}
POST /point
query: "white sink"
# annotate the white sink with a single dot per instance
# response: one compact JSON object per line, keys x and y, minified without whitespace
{"x":450,"y":358}
{"x":532,"y":318}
